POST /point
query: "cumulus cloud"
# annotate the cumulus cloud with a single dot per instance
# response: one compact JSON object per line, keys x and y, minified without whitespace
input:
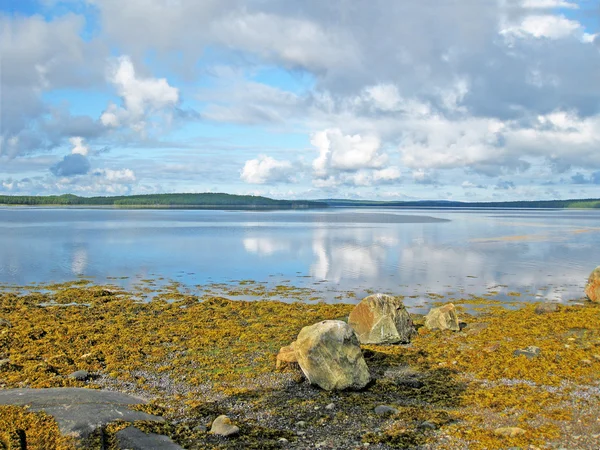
{"x":265,"y":169}
{"x":543,"y":26}
{"x":109,"y":176}
{"x":548,"y":4}
{"x":142,"y":97}
{"x":345,"y":152}
{"x":79,"y":147}
{"x":71,"y":165}
{"x":387,"y":91}
{"x":424,"y":177}
{"x":39,"y":56}
{"x":292,"y":41}
{"x":504,"y":185}
{"x":389,"y":174}
{"x":580,"y":178}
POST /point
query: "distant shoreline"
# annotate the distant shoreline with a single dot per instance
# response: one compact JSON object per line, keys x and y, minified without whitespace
{"x":221,"y":201}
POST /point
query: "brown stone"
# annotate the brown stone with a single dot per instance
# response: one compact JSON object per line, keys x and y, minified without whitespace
{"x":592,"y":288}
{"x":286,"y":357}
{"x":222,"y":426}
{"x":442,"y":318}
{"x":381,"y":319}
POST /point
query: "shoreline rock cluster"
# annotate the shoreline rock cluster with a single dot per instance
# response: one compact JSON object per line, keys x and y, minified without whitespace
{"x":329,"y":352}
{"x":374,"y":352}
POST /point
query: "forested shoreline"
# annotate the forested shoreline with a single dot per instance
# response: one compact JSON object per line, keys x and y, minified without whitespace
{"x":206,"y":200}
{"x":221,"y":200}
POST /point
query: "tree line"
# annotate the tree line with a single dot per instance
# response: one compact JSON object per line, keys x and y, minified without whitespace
{"x":160,"y":200}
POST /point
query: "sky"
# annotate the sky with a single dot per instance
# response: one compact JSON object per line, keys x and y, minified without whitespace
{"x":472,"y":100}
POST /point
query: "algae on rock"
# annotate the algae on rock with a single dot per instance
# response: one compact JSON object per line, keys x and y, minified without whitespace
{"x":381,"y":319}
{"x":443,"y":318}
{"x":330,"y":356}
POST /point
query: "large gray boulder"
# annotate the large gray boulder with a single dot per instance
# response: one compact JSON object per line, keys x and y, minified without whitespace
{"x":381,"y":319}
{"x":592,"y":288}
{"x":443,"y":318}
{"x":329,"y":354}
{"x":78,"y":411}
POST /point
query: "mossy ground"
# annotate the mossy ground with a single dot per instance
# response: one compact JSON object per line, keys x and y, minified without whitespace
{"x":198,"y":357}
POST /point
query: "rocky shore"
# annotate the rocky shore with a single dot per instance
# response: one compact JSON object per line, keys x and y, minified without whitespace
{"x":204,"y":373}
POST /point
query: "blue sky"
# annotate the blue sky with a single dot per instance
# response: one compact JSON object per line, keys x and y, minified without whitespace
{"x":463,"y":100}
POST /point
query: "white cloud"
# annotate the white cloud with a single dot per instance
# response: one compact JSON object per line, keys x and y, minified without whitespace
{"x":122,"y":176}
{"x":424,"y":176}
{"x":79,"y":147}
{"x":142,"y":97}
{"x":548,"y":4}
{"x":265,"y":169}
{"x":345,"y":152}
{"x":387,"y":174}
{"x":384,"y":96}
{"x":294,"y":42}
{"x":543,"y":26}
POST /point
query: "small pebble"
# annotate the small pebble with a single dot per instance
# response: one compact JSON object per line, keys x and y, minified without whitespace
{"x":330,"y":406}
{"x":427,"y":425}
{"x":80,"y":375}
{"x":283,"y":440}
{"x":301,"y":423}
{"x":383,"y":409}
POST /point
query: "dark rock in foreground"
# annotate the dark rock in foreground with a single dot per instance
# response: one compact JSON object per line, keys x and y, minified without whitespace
{"x":78,"y":411}
{"x":132,"y":438}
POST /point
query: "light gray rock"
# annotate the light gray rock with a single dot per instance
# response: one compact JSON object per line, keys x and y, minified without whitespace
{"x":132,"y":438}
{"x":222,"y":426}
{"x":329,"y":355}
{"x":381,"y":319}
{"x":443,"y":318}
{"x":385,"y":410}
{"x":78,"y":411}
{"x":80,"y":375}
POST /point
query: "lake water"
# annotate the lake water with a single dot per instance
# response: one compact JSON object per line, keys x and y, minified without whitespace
{"x":544,"y":254}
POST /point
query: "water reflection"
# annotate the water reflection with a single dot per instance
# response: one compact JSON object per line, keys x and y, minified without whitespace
{"x":350,"y":254}
{"x":266,"y":246}
{"x":402,"y":252}
{"x":79,"y":260}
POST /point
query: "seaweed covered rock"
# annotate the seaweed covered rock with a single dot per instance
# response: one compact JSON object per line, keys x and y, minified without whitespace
{"x":381,"y":319}
{"x":592,"y":288}
{"x":329,"y":354}
{"x":442,"y":318}
{"x":286,"y":356}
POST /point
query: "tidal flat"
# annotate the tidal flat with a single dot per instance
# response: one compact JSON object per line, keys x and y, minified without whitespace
{"x":195,"y":357}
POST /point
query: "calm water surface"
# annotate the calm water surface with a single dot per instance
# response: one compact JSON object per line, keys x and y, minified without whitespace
{"x":543,"y":254}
